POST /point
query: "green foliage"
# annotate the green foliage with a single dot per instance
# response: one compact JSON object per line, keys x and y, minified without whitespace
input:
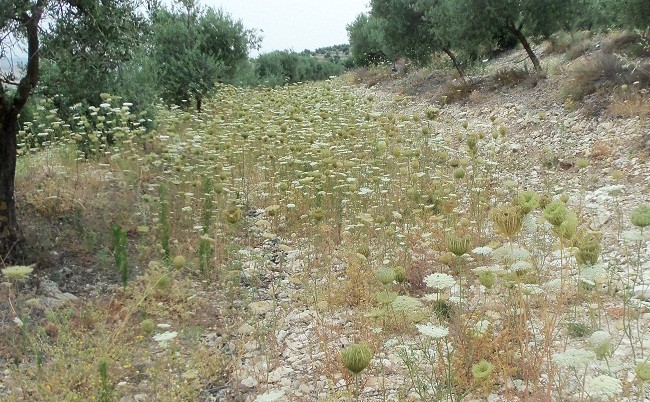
{"x":89,"y":43}
{"x":120,"y":253}
{"x":105,"y":391}
{"x":630,"y":13}
{"x":406,"y":31}
{"x":194,"y":49}
{"x":206,"y":253}
{"x":280,"y":67}
{"x":367,"y":44}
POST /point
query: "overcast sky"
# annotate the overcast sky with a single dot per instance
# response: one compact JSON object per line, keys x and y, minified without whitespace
{"x":295,"y":24}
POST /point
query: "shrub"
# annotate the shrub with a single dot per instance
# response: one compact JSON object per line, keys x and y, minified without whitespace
{"x":572,"y":44}
{"x":629,"y":43}
{"x":591,"y":74}
{"x":283,"y":67}
{"x":509,"y":77}
{"x":456,"y":91}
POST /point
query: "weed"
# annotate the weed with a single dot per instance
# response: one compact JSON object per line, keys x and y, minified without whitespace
{"x":163,"y":219}
{"x":455,"y":91}
{"x":120,"y":253}
{"x":589,"y":75}
{"x":509,"y":77}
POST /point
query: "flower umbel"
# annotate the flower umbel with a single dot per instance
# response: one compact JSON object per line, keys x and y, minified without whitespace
{"x":432,"y":330}
{"x":482,"y":370}
{"x":439,"y":281}
{"x":603,"y":387}
{"x":356,"y":357}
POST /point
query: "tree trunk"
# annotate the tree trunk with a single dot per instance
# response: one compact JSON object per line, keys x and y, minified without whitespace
{"x":454,"y":60}
{"x":9,"y":111}
{"x":524,"y":42}
{"x":8,"y":224}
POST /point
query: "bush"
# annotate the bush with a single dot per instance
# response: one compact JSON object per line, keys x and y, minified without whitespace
{"x":509,"y":77}
{"x":456,"y":91}
{"x":572,"y":44}
{"x":591,"y":74}
{"x":629,"y":43}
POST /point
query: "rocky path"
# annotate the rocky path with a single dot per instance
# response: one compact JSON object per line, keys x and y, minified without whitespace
{"x":288,"y":351}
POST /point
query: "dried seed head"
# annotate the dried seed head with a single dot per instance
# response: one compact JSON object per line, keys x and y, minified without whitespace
{"x":589,"y":248}
{"x":458,"y":245}
{"x":508,"y":219}
{"x":640,"y":216}
{"x":356,"y":357}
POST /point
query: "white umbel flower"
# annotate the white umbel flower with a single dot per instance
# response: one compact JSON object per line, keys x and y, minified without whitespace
{"x":439,"y":281}
{"x":484,"y":250}
{"x":164,"y":338}
{"x":432,"y":330}
{"x":603,"y":387}
{"x":575,"y":358}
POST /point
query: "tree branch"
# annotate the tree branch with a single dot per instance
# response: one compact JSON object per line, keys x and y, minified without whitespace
{"x":29,"y":81}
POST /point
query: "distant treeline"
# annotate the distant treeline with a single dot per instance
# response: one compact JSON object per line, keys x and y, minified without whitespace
{"x":282,"y":67}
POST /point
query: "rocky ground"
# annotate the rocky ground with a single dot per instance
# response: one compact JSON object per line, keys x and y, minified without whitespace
{"x":291,"y":361}
{"x":286,"y":346}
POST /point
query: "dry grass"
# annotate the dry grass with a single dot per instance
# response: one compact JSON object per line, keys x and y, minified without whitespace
{"x":509,"y":77}
{"x":455,"y":91}
{"x":571,"y":44}
{"x":70,"y":208}
{"x":628,"y":105}
{"x":71,"y":342}
{"x":371,"y":76}
{"x":600,"y":150}
{"x":631,"y":44}
{"x":591,"y":74}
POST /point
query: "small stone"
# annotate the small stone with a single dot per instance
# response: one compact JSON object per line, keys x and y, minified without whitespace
{"x":493,"y":398}
{"x":305,"y":389}
{"x":273,"y":395}
{"x":260,"y":307}
{"x":279,"y":373}
{"x":249,"y":382}
{"x":251,"y":346}
{"x":642,"y":291}
{"x":246,"y":329}
{"x":36,"y":303}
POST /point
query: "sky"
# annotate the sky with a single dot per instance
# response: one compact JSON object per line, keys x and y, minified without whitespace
{"x":294,"y":24}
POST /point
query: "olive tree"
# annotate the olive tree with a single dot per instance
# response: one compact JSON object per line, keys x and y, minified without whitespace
{"x":22,"y":28}
{"x":518,"y":17}
{"x":367,"y":43}
{"x":410,"y":31}
{"x":192,"y":49}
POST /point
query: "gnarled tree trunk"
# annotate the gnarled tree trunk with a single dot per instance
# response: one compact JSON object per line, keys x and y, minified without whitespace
{"x":524,"y":42}
{"x":10,"y":108}
{"x":8,"y":224}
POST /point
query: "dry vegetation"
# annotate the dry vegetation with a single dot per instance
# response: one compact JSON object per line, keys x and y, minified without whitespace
{"x":409,"y":239}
